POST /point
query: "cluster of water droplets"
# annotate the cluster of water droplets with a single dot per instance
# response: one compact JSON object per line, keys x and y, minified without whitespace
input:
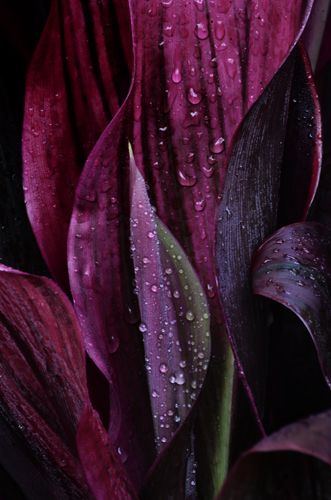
{"x":174,"y":320}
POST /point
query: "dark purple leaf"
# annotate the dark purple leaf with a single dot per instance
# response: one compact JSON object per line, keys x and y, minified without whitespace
{"x":106,"y":478}
{"x":293,"y":267}
{"x":290,"y":464}
{"x":75,"y":84}
{"x":42,"y":387}
{"x":43,"y":390}
{"x":248,"y":213}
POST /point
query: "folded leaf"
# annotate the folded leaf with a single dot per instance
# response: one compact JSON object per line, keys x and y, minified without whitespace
{"x":293,"y":268}
{"x":43,"y":391}
{"x":174,"y":315}
{"x":248,"y":213}
{"x":292,"y":463}
{"x":74,"y":86}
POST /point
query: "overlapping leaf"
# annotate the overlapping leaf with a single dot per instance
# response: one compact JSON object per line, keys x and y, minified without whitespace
{"x":43,"y":392}
{"x":75,"y":84}
{"x":198,"y":68}
{"x":250,"y":206}
{"x":292,"y":463}
{"x":174,"y":315}
{"x":293,"y":268}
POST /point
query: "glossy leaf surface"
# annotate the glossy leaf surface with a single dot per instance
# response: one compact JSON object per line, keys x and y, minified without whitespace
{"x":292,"y":463}
{"x":42,"y":387}
{"x":293,"y":268}
{"x":174,"y":315}
{"x":75,"y":84}
{"x":249,"y":211}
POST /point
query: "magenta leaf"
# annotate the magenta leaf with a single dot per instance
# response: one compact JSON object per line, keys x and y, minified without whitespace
{"x":174,"y":315}
{"x":101,"y":280}
{"x":42,"y":387}
{"x":100,"y":463}
{"x":293,"y":267}
{"x":198,"y":67}
{"x":75,"y":84}
{"x":256,"y":165}
{"x":43,"y":392}
{"x":292,"y":463}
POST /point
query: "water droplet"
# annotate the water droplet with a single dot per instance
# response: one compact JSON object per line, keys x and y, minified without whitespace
{"x":168,"y":29}
{"x":176,"y":75}
{"x":189,"y":316}
{"x":182,"y":363}
{"x":218,"y":145}
{"x":210,"y":290}
{"x":190,"y":157}
{"x":201,"y":31}
{"x":163,"y":368}
{"x":155,"y":394}
{"x":154,"y":288}
{"x":207,"y":170}
{"x":168,"y":270}
{"x":185,"y":179}
{"x":219,"y":30}
{"x":167,"y":3}
{"x":150,"y":234}
{"x":180,"y":378}
{"x":200,"y":4}
{"x":176,"y":294}
{"x":199,"y":205}
{"x":231,"y":68}
{"x":193,"y":96}
{"x":143,"y":327}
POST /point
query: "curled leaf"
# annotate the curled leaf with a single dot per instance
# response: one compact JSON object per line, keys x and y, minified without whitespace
{"x":293,"y":267}
{"x":292,"y":463}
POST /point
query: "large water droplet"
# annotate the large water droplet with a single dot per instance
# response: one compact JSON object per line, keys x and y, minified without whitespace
{"x":193,"y":96}
{"x":201,"y":31}
{"x":217,"y":146}
{"x":176,"y":75}
{"x":185,"y":179}
{"x":219,"y":30}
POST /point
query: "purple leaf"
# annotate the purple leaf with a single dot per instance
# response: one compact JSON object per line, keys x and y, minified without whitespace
{"x":106,"y":478}
{"x":174,"y":315}
{"x":198,"y":68}
{"x":74,"y":86}
{"x":42,"y":387}
{"x":249,"y":209}
{"x":101,"y":282}
{"x":287,"y":464}
{"x":43,"y":392}
{"x":293,"y":268}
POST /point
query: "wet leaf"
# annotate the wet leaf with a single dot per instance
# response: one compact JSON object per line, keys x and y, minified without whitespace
{"x":75,"y":84}
{"x":293,"y":267}
{"x":248,"y":213}
{"x":292,"y":463}
{"x":174,"y":315}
